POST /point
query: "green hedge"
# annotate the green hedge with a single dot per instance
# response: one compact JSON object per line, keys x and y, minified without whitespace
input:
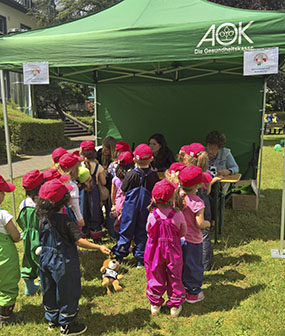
{"x":86,"y":120}
{"x":30,"y":135}
{"x":33,"y":135}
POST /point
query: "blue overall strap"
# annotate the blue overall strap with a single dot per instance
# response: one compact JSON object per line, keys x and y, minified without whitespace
{"x":95,"y":172}
{"x":142,"y":177}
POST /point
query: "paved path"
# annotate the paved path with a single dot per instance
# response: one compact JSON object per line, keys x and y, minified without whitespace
{"x":39,"y":161}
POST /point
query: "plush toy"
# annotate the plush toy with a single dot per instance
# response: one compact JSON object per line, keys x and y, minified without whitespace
{"x":110,"y":275}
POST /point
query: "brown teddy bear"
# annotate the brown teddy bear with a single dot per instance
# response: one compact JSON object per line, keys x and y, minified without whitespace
{"x":110,"y":275}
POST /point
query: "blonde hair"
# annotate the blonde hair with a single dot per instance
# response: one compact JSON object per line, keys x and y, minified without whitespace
{"x":172,"y":177}
{"x":110,"y":143}
{"x":175,"y":202}
{"x":202,"y":161}
{"x":180,"y":157}
{"x":72,"y":172}
{"x":55,"y":165}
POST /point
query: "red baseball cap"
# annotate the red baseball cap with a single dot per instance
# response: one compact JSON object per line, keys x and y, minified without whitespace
{"x":122,"y":146}
{"x":183,"y":149}
{"x":195,"y":149}
{"x":54,"y":190}
{"x":163,"y":191}
{"x":57,"y":153}
{"x":6,"y":186}
{"x":87,"y":145}
{"x":143,"y":152}
{"x":53,"y":173}
{"x":176,"y":167}
{"x":193,"y":175}
{"x":32,"y":179}
{"x":125,"y":158}
{"x":69,"y":160}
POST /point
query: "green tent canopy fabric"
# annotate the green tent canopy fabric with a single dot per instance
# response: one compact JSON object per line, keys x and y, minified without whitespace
{"x":174,"y":67}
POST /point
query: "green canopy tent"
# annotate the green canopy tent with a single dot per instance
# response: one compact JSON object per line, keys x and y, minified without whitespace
{"x":173,"y":67}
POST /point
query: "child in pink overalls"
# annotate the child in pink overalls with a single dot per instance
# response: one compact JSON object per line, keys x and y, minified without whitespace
{"x":125,"y":163}
{"x":163,"y":254}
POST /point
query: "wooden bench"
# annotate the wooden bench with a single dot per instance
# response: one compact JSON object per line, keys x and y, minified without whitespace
{"x":274,"y":128}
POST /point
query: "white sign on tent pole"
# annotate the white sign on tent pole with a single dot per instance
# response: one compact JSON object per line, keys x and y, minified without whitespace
{"x":260,"y":61}
{"x":36,"y":73}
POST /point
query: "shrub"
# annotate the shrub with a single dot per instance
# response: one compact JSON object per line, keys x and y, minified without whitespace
{"x":30,"y":135}
{"x":87,"y":121}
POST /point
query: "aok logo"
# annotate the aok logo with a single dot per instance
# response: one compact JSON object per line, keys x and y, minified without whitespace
{"x":226,"y":34}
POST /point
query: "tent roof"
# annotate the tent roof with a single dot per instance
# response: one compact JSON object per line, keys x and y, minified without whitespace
{"x":145,"y":31}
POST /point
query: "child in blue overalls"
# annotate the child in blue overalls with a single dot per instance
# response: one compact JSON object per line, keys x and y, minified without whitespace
{"x":90,"y":199}
{"x":59,"y":262}
{"x":137,"y":186}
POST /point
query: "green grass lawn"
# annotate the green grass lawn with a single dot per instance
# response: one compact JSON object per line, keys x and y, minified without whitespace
{"x":245,"y":290}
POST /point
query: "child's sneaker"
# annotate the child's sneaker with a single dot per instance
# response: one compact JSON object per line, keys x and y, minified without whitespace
{"x":195,"y":298}
{"x":155,"y":310}
{"x":175,"y":311}
{"x":52,"y":325}
{"x":73,"y":329}
{"x":140,"y":264}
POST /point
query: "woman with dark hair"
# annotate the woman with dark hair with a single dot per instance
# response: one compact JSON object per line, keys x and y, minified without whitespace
{"x":221,"y":160}
{"x":162,"y":155}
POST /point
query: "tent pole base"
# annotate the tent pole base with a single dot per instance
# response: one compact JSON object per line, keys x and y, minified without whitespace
{"x":277,"y":254}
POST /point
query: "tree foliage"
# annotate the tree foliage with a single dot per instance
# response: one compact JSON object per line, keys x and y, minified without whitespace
{"x":253,"y":4}
{"x":276,"y":83}
{"x":59,"y":95}
{"x":50,"y":12}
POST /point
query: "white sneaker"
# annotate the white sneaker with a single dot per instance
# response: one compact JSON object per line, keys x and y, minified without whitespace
{"x":155,"y":310}
{"x":175,"y":311}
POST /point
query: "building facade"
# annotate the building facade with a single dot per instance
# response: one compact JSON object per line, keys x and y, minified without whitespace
{"x":13,"y":19}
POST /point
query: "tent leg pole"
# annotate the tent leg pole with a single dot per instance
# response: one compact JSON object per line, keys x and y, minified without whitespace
{"x":282,"y":209}
{"x":7,"y":135}
{"x":95,"y":117}
{"x":280,"y":254}
{"x":262,"y":135}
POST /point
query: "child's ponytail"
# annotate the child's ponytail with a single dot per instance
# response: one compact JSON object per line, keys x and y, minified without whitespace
{"x":203,"y":161}
{"x":179,"y":202}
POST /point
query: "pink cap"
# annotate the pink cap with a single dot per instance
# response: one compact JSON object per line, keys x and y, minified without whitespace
{"x":57,"y":153}
{"x":143,"y":152}
{"x":163,"y":191}
{"x":195,"y":149}
{"x":6,"y":186}
{"x":87,"y":145}
{"x":176,"y":167}
{"x":183,"y":149}
{"x":193,"y":175}
{"x":125,"y":158}
{"x":122,"y":146}
{"x":54,"y":190}
{"x":52,"y":173}
{"x":69,"y":160}
{"x":32,"y":179}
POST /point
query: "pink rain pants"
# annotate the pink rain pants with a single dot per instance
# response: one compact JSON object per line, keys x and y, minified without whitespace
{"x":163,"y":263}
